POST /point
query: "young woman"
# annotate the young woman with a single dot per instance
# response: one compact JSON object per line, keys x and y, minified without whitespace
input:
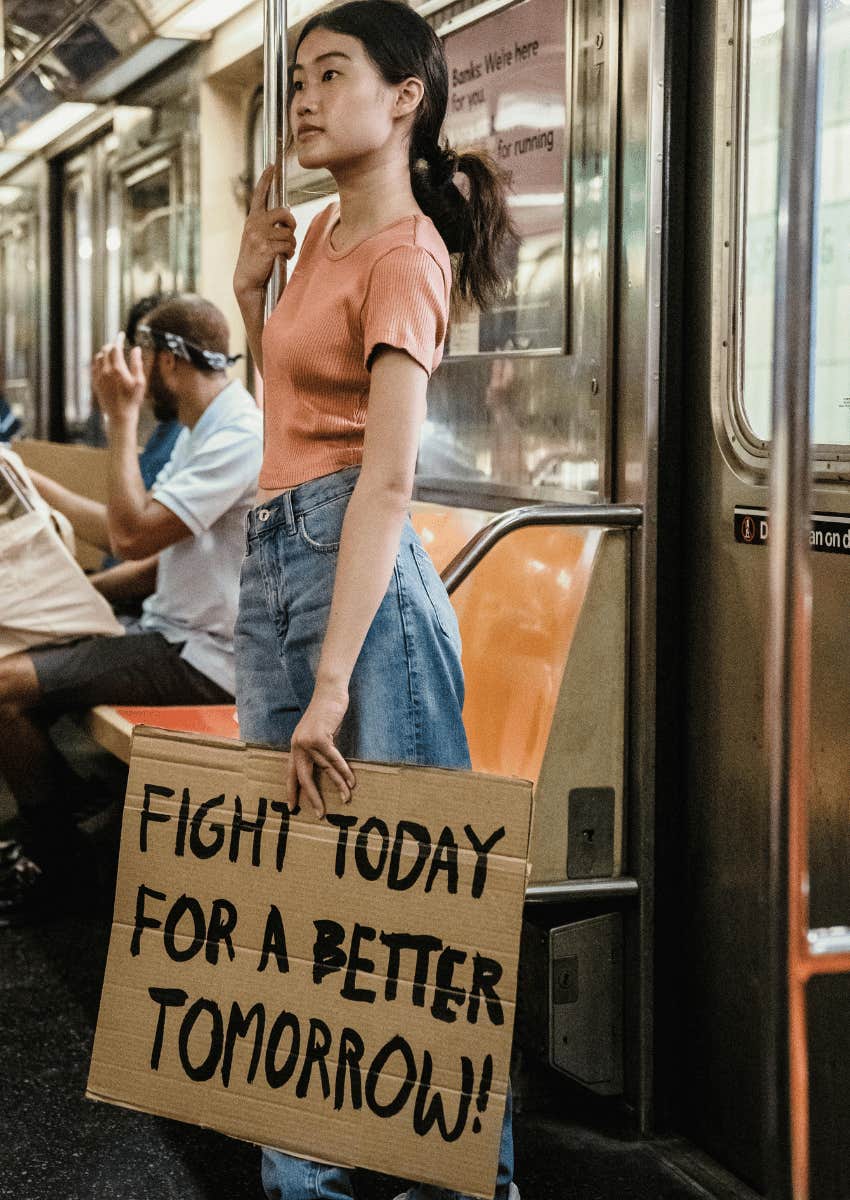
{"x":346,"y":643}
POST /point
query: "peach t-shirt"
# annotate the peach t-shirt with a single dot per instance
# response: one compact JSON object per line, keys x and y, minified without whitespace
{"x":391,"y":289}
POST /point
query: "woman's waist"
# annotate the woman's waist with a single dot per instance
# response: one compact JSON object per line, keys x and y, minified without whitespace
{"x":298,"y":465}
{"x":286,"y":505}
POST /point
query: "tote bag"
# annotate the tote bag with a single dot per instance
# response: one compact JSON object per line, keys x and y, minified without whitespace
{"x":44,"y":595}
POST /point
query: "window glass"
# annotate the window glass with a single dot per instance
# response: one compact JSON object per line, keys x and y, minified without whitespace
{"x":831,"y":406}
{"x":149,"y":217}
{"x":258,"y":157}
{"x":517,"y":408}
{"x":78,"y":287}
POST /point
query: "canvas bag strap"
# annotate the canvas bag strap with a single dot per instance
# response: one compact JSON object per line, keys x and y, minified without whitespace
{"x":17,"y":478}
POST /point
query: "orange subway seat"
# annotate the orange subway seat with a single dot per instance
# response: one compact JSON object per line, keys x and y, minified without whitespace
{"x":518,"y":611}
{"x":444,"y":531}
{"x":210,"y":720}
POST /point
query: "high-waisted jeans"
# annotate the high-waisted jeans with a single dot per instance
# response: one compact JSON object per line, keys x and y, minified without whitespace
{"x":406,"y":693}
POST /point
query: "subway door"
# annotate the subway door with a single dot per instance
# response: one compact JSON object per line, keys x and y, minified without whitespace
{"x":731,"y":222}
{"x":21,"y":390}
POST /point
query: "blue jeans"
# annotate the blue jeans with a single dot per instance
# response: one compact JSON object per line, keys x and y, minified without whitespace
{"x":288,"y":1178}
{"x":406,"y":693}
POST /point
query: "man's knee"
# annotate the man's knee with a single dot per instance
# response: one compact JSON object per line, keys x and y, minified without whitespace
{"x":19,"y":688}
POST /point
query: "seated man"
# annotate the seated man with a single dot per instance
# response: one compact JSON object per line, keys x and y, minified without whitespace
{"x":87,"y":516}
{"x":181,"y":650}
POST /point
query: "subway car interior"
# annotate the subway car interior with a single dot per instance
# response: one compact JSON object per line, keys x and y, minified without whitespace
{"x":666,"y":377}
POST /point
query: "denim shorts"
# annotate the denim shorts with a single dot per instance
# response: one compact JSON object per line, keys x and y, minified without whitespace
{"x":139,"y":668}
{"x":406,"y":691}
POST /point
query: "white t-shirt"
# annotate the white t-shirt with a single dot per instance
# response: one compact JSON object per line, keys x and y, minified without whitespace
{"x":209,"y":483}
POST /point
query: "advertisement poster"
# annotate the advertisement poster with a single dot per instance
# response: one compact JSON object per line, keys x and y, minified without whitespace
{"x":507,"y":95}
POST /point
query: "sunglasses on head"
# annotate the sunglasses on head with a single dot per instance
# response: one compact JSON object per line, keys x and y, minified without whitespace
{"x":161,"y":339}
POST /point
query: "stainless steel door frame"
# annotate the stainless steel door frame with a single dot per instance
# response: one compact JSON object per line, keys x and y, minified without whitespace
{"x":788,"y":667}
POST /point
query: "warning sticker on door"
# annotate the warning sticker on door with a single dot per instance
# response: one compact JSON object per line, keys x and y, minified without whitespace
{"x":829,"y":534}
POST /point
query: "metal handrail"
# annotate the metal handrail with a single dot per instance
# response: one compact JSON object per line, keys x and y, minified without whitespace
{"x":618,"y":516}
{"x":581,"y":889}
{"x":788,"y":659}
{"x":274,"y":123}
{"x":614,"y":515}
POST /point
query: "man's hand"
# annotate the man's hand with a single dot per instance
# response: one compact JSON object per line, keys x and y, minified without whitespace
{"x":119,"y":385}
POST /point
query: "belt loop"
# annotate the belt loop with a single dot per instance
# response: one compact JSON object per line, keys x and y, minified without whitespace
{"x":289,"y":512}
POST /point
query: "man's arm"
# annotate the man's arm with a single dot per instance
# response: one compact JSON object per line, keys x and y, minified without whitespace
{"x":128,"y":580}
{"x":138,"y":525}
{"x":88,"y":517}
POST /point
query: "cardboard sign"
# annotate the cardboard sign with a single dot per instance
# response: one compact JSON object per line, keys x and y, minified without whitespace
{"x":341,"y":989}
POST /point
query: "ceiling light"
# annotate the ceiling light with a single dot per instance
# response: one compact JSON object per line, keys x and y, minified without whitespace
{"x":9,"y":160}
{"x":201,"y":17}
{"x":10,"y":195}
{"x":130,"y":70}
{"x":767,"y":17}
{"x":49,"y":127}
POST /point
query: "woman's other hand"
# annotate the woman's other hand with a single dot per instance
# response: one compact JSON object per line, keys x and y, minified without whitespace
{"x":267,"y":234}
{"x":313,"y":746}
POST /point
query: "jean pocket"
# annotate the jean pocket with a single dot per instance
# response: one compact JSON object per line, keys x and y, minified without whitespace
{"x":321,"y":527}
{"x":435,"y":590}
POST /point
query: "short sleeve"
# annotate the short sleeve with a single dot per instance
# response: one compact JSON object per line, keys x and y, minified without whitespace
{"x":210,"y":482}
{"x":406,"y":306}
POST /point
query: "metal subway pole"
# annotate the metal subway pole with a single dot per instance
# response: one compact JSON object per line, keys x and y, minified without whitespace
{"x":274,"y":123}
{"x":788,"y":660}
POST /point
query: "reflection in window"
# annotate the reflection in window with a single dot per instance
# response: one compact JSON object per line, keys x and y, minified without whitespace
{"x":831,"y":408}
{"x":149,"y":217}
{"x":258,"y":156}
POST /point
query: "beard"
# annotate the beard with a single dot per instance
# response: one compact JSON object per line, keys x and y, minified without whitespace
{"x":163,"y":398}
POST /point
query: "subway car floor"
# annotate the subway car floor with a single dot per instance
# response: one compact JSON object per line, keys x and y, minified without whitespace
{"x":56,"y":1143}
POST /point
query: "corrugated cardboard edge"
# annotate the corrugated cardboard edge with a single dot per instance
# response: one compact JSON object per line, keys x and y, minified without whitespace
{"x":171,"y":735}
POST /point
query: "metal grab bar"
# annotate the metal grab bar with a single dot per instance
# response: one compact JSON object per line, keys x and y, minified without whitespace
{"x":274,"y":123}
{"x":788,"y":658}
{"x":581,"y":889}
{"x":617,"y":515}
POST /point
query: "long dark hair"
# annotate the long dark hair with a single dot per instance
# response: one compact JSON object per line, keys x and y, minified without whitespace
{"x":402,"y":44}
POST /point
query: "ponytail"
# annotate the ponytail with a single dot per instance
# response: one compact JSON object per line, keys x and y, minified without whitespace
{"x":475,"y":226}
